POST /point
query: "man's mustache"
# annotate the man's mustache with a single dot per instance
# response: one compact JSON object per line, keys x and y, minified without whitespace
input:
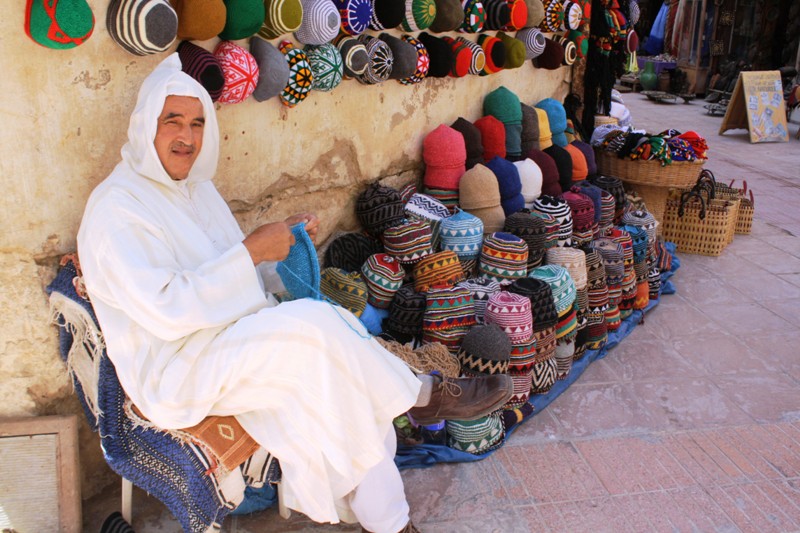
{"x":180,"y":145}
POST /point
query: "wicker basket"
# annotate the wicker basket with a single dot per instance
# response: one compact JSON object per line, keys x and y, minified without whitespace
{"x":692,"y":234}
{"x":599,"y":120}
{"x":678,"y":174}
{"x":744,"y":220}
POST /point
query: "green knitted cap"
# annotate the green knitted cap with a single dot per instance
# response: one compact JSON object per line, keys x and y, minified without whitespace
{"x":504,"y":105}
{"x":59,"y":24}
{"x":515,"y":50}
{"x":243,"y":18}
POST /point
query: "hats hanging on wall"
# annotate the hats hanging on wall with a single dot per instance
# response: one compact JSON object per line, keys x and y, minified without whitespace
{"x":534,"y":41}
{"x":354,"y":14}
{"x":474,"y":16}
{"x":494,"y":52}
{"x":326,"y":65}
{"x":282,"y":17}
{"x":273,"y":70}
{"x":199,"y":20}
{"x":355,"y":58}
{"x":243,"y":18}
{"x":518,"y":15}
{"x":201,"y":65}
{"x":320,"y":24}
{"x":440,"y":54}
{"x":380,"y":60}
{"x":422,"y":61}
{"x":300,"y":77}
{"x":142,"y":27}
{"x":419,"y":15}
{"x":498,"y":14}
{"x":73,"y":22}
{"x":404,"y":56}
{"x":570,"y":50}
{"x":552,"y":57}
{"x":240,"y":70}
{"x":449,"y":16}
{"x":515,"y":50}
{"x":386,"y":14}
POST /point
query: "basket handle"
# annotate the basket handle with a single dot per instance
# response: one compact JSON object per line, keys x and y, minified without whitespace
{"x":707,"y":182}
{"x":686,"y":196}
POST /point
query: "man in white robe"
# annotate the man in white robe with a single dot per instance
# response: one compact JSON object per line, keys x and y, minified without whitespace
{"x":193,"y":330}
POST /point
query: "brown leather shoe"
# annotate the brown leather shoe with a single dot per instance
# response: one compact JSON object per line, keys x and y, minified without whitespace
{"x":464,"y":398}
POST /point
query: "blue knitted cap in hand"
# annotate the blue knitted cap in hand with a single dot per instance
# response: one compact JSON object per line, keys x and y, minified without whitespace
{"x":300,"y":270}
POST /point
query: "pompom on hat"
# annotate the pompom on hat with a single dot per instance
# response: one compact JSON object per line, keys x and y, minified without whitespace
{"x":200,"y":20}
{"x":320,"y":22}
{"x":445,"y":155}
{"x":240,"y":70}
{"x":273,"y":69}
{"x":479,"y":195}
{"x":355,"y":15}
{"x":515,"y":50}
{"x":282,"y":17}
{"x":201,"y":65}
{"x":243,"y":18}
{"x":142,"y":27}
{"x":326,"y":65}
{"x":440,"y":55}
{"x":386,"y":14}
{"x":449,"y":16}
{"x":379,"y":208}
{"x":472,"y":140}
{"x":354,"y":54}
{"x":300,"y":79}
{"x":423,"y":61}
{"x":350,"y":250}
{"x":59,"y":25}
{"x":493,"y":137}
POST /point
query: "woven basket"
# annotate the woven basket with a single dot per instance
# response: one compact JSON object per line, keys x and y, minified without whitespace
{"x":650,"y":172}
{"x":744,"y":220}
{"x":654,"y":198}
{"x":599,"y":120}
{"x":692,"y":234}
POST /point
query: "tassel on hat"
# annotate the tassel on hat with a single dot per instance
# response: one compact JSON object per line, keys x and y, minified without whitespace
{"x":243,"y":18}
{"x":320,"y":22}
{"x":58,"y":24}
{"x":300,"y":77}
{"x":273,"y":70}
{"x":201,"y":65}
{"x":240,"y":71}
{"x":423,"y":61}
{"x":326,"y":65}
{"x":142,"y":27}
{"x":282,"y":17}
{"x":199,"y":20}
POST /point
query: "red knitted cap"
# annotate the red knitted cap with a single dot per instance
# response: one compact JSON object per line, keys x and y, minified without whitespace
{"x":493,"y":136}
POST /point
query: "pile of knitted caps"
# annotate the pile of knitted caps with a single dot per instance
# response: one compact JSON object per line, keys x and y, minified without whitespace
{"x":668,"y":146}
{"x":287,"y":48}
{"x":513,"y":253}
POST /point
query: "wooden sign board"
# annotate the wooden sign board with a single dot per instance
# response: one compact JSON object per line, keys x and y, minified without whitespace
{"x":757,"y":105}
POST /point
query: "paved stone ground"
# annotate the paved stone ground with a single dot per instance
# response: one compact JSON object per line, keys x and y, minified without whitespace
{"x":692,"y":423}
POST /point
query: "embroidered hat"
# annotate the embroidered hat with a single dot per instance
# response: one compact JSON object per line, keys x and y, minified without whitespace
{"x":493,"y":137}
{"x":485,"y":350}
{"x":552,"y":57}
{"x":476,"y":436}
{"x":479,"y":195}
{"x":354,"y":14}
{"x":449,"y":313}
{"x":419,"y":15}
{"x":553,"y":16}
{"x":300,"y":272}
{"x":404,"y":56}
{"x":58,"y":25}
{"x":561,"y":285}
{"x":510,"y":184}
{"x":409,"y":241}
{"x":481,"y":289}
{"x":300,"y":77}
{"x":199,"y":20}
{"x":445,"y":155}
{"x":380,"y":63}
{"x":529,"y":137}
{"x":320,"y":22}
{"x":512,"y":312}
{"x":504,"y":105}
{"x":564,"y":165}
{"x":386,"y":14}
{"x":534,"y":41}
{"x":518,"y":15}
{"x":472,"y":141}
{"x":556,"y":118}
{"x":273,"y":69}
{"x":355,"y":58}
{"x":449,"y":16}
{"x":535,"y":13}
{"x":243,"y":18}
{"x":540,"y":294}
{"x":498,"y":14}
{"x":530,"y":176}
{"x":474,"y":16}
{"x":344,"y":288}
{"x":495,"y":53}
{"x":588,"y":154}
{"x":406,"y":311}
{"x":515,"y":50}
{"x":383,"y":276}
{"x":441,"y":269}
{"x":201,"y":65}
{"x":573,"y":15}
{"x":530,"y":229}
{"x":350,"y":250}
{"x":326,"y":64}
{"x":462,"y":233}
{"x":422,"y":61}
{"x":504,"y":258}
{"x":440,"y":54}
{"x":282,"y":17}
{"x":240,"y":71}
{"x":378,"y":208}
{"x":141,"y":27}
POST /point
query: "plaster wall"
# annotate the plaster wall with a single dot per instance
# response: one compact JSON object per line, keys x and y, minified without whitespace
{"x":64,"y":116}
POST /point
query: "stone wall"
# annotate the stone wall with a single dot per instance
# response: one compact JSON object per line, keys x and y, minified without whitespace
{"x":65,"y":116}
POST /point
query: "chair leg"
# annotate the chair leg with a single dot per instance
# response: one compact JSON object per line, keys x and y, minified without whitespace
{"x":284,"y":511}
{"x":127,"y":500}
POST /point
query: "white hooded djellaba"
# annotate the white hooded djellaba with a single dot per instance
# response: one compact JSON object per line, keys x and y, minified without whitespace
{"x":193,"y":332}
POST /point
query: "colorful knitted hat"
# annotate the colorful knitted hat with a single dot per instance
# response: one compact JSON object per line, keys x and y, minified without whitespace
{"x":300,"y":77}
{"x":573,"y":15}
{"x":534,"y":41}
{"x":406,"y":311}
{"x":581,"y":42}
{"x":201,"y":65}
{"x":564,"y":165}
{"x":462,"y":233}
{"x":386,"y":14}
{"x":504,"y":258}
{"x":299,"y":271}
{"x":515,"y":50}
{"x":582,"y":209}
{"x":447,"y":197}
{"x":350,"y":250}
{"x":422,"y":64}
{"x":614,"y":186}
{"x":481,"y":289}
{"x":588,"y":154}
{"x":383,"y":276}
{"x":326,"y":64}
{"x":476,"y":436}
{"x":449,"y":313}
{"x":240,"y":71}
{"x":273,"y":69}
{"x":595,"y":194}
{"x":535,"y":13}
{"x":57,"y":24}
{"x":404,"y":56}
{"x":474,"y":16}
{"x":613,"y":259}
{"x":558,"y":208}
{"x":530,"y":176}
{"x":472,"y":140}
{"x":512,"y":312}
{"x":380,"y":63}
{"x":553,"y":16}
{"x":409,"y":241}
{"x":462,"y":57}
{"x":574,"y":260}
{"x":552,"y":57}
{"x":529,"y":138}
{"x":440,"y":54}
{"x":556,"y":118}
{"x":570,"y":50}
{"x":449,"y":16}
{"x":504,"y":105}
{"x":478,"y":62}
{"x":518,"y":15}
{"x":498,"y":14}
{"x":354,"y":54}
{"x":282,"y":17}
{"x":419,"y":15}
{"x":445,"y":155}
{"x":493,"y":137}
{"x":561,"y":285}
{"x":243,"y":18}
{"x":495,"y":53}
{"x":540,"y":294}
{"x":545,"y":134}
{"x":355,"y":15}
{"x":199,"y":20}
{"x":510,"y":184}
{"x":344,"y":288}
{"x":486,"y":350}
{"x":379,"y":208}
{"x":479,"y":194}
{"x":438,"y":270}
{"x":530,"y":229}
{"x":141,"y":27}
{"x":320,"y":22}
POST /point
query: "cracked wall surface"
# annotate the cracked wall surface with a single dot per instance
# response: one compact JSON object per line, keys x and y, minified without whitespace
{"x":65,"y":116}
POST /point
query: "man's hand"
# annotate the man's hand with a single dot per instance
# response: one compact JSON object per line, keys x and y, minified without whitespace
{"x":311,"y":221}
{"x":270,"y":242}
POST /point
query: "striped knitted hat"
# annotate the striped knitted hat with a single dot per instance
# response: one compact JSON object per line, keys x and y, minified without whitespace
{"x":438,"y":270}
{"x":462,"y":57}
{"x":344,"y":288}
{"x":449,"y":313}
{"x":282,"y":17}
{"x":561,"y":285}
{"x":495,"y":53}
{"x":380,"y":63}
{"x":518,"y":15}
{"x":462,"y":233}
{"x":379,"y":208}
{"x":544,"y":371}
{"x":350,"y":250}
{"x":504,"y":258}
{"x":243,"y":18}
{"x":481,"y":290}
{"x":354,"y":14}
{"x":240,"y":70}
{"x":534,"y":41}
{"x":573,"y":15}
{"x":386,"y":14}
{"x":512,"y":312}
{"x":570,"y":50}
{"x":409,"y":241}
{"x":201,"y":65}
{"x":530,"y":176}
{"x":300,"y":77}
{"x":273,"y":69}
{"x":423,"y":61}
{"x":142,"y":27}
{"x":540,"y":294}
{"x":445,"y":156}
{"x":515,"y":50}
{"x":199,"y":20}
{"x":552,"y":228}
{"x":406,"y":311}
{"x":595,"y":194}
{"x":639,"y":241}
{"x":521,"y":376}
{"x":449,"y":16}
{"x":523,"y":357}
{"x":447,"y":197}
{"x":383,"y":276}
{"x":476,"y":436}
{"x":474,"y":16}
{"x":498,"y":14}
{"x":574,"y":260}
{"x":493,"y":137}
{"x":616,"y":188}
{"x":326,"y":64}
{"x":582,"y":210}
{"x":559,"y":209}
{"x":545,"y":344}
{"x":607,"y":212}
{"x":428,"y":209}
{"x":419,"y":15}
{"x":643,"y":219}
{"x":478,"y":61}
{"x":567,"y":326}
{"x":354,"y":55}
{"x":530,"y":229}
{"x":485,"y":350}
{"x":320,"y":22}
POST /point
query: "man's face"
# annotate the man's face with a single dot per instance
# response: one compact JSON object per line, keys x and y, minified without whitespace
{"x":179,"y":136}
